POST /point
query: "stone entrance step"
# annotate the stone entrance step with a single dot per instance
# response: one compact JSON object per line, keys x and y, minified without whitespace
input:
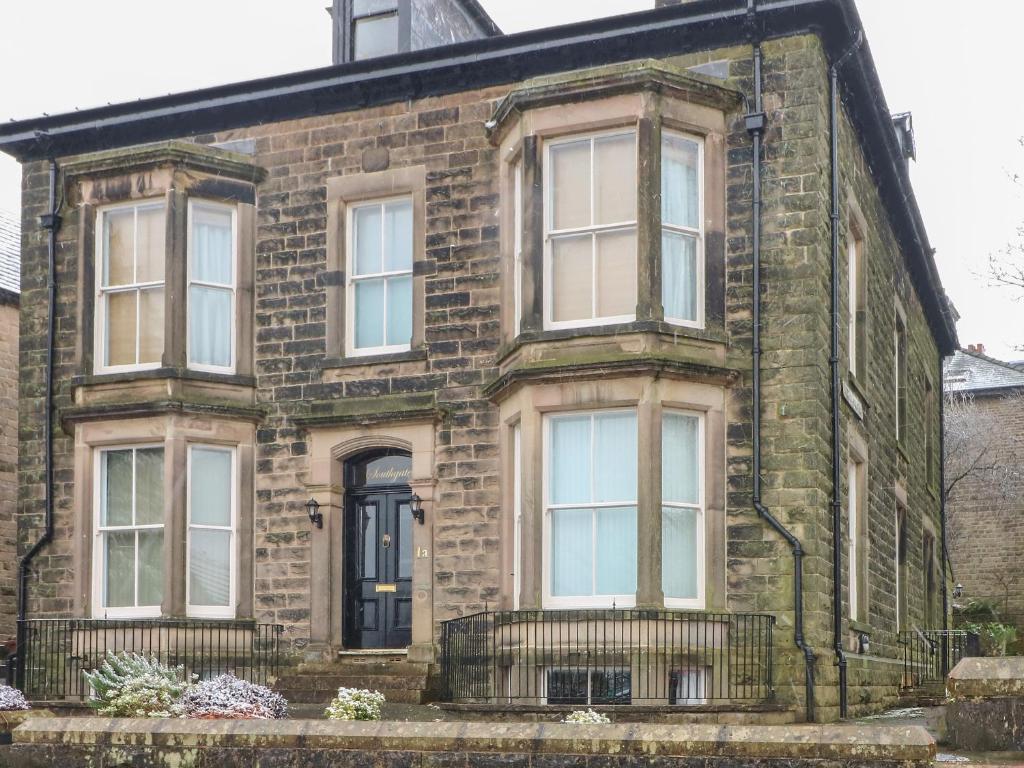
{"x":401,"y":681}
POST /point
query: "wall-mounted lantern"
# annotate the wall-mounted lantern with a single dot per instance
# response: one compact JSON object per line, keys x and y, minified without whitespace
{"x":316,"y":517}
{"x":958,"y":591}
{"x":416,"y":507}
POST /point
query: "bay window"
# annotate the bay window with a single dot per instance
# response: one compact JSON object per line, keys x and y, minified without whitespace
{"x":211,"y":525}
{"x":380,"y":290}
{"x":129,"y":529}
{"x":682,"y":529}
{"x":591,"y":509}
{"x":130,"y":286}
{"x":211,"y":287}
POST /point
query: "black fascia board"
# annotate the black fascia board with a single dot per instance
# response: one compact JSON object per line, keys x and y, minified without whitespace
{"x":662,"y":32}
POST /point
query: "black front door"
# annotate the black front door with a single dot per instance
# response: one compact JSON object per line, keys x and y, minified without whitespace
{"x":378,"y":569}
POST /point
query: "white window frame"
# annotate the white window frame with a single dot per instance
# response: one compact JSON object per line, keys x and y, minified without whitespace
{"x":580,"y":601}
{"x":698,"y":233}
{"x":517,"y":244}
{"x":551,"y":234}
{"x":351,"y":350}
{"x":853,"y":259}
{"x":207,"y":611}
{"x":99,"y":609}
{"x":703,"y":676}
{"x":699,"y":601}
{"x":589,"y":672}
{"x":517,"y":512}
{"x":100,"y":293}
{"x":233,"y":210}
{"x":853,"y":470}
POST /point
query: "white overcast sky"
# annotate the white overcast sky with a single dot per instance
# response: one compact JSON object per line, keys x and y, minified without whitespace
{"x":955,"y":67}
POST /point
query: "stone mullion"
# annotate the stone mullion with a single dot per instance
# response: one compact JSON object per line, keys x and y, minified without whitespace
{"x":176,"y":281}
{"x":649,"y":592}
{"x":175,"y":526}
{"x":533,"y":236}
{"x":649,"y":305}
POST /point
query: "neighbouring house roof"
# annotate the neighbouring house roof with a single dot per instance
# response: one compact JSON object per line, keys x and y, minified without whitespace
{"x":969,"y":371}
{"x":10,"y":256}
{"x":672,"y":30}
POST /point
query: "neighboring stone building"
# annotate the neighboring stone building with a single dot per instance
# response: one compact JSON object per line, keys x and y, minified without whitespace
{"x":494,"y":300}
{"x":10,"y":274}
{"x":986,"y":508}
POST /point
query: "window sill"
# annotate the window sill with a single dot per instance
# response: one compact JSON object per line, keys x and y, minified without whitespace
{"x":411,"y":355}
{"x":184,"y":374}
{"x":617,"y":329}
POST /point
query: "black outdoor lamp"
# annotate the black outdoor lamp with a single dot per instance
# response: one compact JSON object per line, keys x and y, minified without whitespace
{"x":416,"y":507}
{"x":316,"y":517}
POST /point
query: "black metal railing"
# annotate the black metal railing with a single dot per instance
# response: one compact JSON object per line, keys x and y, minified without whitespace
{"x":930,"y":654}
{"x":53,"y":653}
{"x":607,"y":657}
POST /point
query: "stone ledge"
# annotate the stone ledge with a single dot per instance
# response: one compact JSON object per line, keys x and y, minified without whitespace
{"x":866,"y":745}
{"x":988,"y":678}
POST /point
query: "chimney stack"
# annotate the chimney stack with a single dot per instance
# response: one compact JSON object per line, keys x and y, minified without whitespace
{"x":978,"y":349}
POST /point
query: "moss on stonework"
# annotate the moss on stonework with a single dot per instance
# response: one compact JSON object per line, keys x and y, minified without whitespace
{"x":363,"y":409}
{"x":182,"y":153}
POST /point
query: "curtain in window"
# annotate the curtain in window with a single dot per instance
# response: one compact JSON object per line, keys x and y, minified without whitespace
{"x":210,"y":527}
{"x":131,"y":527}
{"x":211,"y":292}
{"x":593,"y":486}
{"x":680,"y":514}
{"x":680,"y":215}
{"x":382,"y":279}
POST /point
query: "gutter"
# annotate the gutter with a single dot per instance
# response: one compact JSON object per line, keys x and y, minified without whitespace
{"x":836,"y":388}
{"x":756,"y":123}
{"x":946,"y":567}
{"x":51,"y":223}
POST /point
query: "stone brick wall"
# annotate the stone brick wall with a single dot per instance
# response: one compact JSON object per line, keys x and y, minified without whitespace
{"x":462,"y":334}
{"x":8,"y":463}
{"x":986,"y":526}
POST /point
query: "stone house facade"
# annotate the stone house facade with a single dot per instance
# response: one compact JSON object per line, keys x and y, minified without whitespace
{"x":505,"y":285}
{"x":10,"y":269}
{"x":986,"y":513}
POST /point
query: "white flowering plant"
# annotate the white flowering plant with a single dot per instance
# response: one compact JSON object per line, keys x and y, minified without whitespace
{"x":230,"y":698}
{"x":586,"y":716}
{"x":130,"y":685}
{"x":11,"y":699}
{"x":355,"y":704}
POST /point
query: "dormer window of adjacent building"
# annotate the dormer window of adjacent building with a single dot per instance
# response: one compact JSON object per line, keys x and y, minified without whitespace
{"x":374,"y":30}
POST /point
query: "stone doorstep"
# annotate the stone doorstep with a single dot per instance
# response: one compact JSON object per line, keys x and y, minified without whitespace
{"x":909,"y":746}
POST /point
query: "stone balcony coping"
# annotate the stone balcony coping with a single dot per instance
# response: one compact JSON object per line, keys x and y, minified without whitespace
{"x":880,"y":745}
{"x":990,"y":678}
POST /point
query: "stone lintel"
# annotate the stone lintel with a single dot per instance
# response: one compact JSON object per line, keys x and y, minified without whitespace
{"x":372,"y":410}
{"x":603,"y":82}
{"x":183,"y":154}
{"x":113,"y":411}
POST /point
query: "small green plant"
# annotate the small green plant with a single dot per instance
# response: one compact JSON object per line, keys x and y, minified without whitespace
{"x":130,"y":685}
{"x":995,"y":637}
{"x":587,"y":717}
{"x":355,"y":704}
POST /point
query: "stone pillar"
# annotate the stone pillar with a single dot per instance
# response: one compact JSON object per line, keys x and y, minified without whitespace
{"x":422,"y":648}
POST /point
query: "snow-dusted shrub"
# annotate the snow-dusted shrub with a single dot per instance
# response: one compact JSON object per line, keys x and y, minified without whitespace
{"x":230,"y":698}
{"x":130,"y":685}
{"x":586,"y":716}
{"x":12,"y":699}
{"x":355,"y":704}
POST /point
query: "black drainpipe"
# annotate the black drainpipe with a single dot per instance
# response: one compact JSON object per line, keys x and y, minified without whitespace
{"x":756,"y":123}
{"x":51,"y":223}
{"x":946,"y":568}
{"x":837,"y":517}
